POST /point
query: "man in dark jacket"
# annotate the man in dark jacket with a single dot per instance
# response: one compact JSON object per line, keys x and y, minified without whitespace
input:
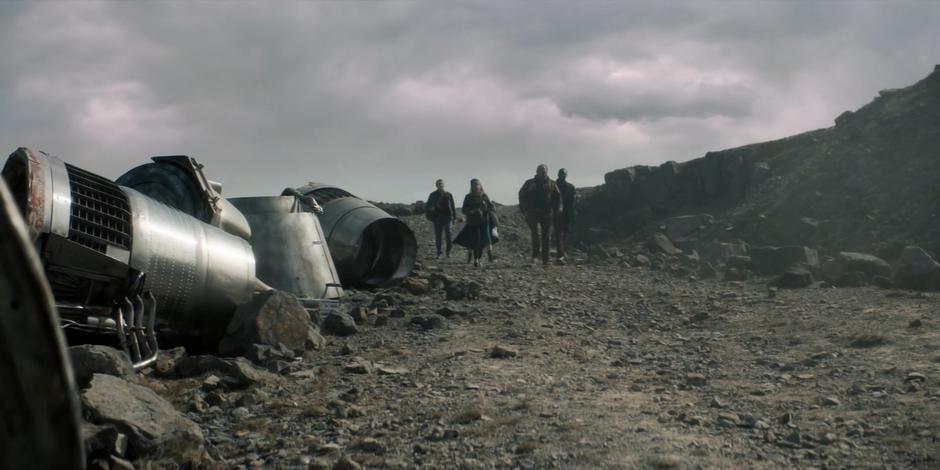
{"x":563,"y":218}
{"x":539,"y":201}
{"x":440,"y":210}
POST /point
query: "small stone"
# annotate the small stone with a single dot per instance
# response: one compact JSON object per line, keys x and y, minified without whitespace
{"x":117,"y":463}
{"x":747,"y":421}
{"x":716,"y":403}
{"x":396,"y":313}
{"x":448,"y":312}
{"x":360,"y":366}
{"x":104,"y":439}
{"x":916,"y":323}
{"x":728,"y":419}
{"x":699,"y":317}
{"x":827,"y":438}
{"x":216,"y":398}
{"x":385,"y":370}
{"x":694,"y":420}
{"x":340,"y":324}
{"x":370,"y":444}
{"x":320,"y":463}
{"x":696,"y":379}
{"x":330,"y":448}
{"x":915,"y":377}
{"x":315,"y":341}
{"x":346,"y":463}
{"x":503,"y":352}
{"x":429,"y":322}
{"x":416,"y":285}
{"x":347,"y":349}
{"x":212,"y":381}
{"x":829,"y":401}
{"x":360,"y":315}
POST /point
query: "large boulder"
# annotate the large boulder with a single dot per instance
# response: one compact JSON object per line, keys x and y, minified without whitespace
{"x":91,"y":359}
{"x":687,"y":226}
{"x":340,"y":324}
{"x":718,"y":253}
{"x":855,"y":269}
{"x":271,"y":318}
{"x":795,"y":277}
{"x":772,"y":260}
{"x":151,"y":423}
{"x":915,"y":269}
{"x":660,"y":243}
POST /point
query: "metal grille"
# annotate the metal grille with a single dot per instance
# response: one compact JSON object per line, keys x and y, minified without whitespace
{"x":325,"y":195}
{"x":100,"y":212}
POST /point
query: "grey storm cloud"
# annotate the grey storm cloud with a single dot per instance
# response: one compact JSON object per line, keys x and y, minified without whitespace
{"x":382,"y":98}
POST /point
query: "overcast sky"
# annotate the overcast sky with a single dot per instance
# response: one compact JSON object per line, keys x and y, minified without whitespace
{"x":383,"y":97}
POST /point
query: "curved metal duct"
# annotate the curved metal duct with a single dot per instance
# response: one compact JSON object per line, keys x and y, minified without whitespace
{"x":290,"y":247}
{"x":369,"y":246}
{"x":102,"y":243}
{"x":39,"y":411}
{"x":178,"y":182}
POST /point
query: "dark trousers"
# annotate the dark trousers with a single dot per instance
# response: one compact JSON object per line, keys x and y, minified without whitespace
{"x":442,"y":227}
{"x":561,"y":235}
{"x":540,"y":226}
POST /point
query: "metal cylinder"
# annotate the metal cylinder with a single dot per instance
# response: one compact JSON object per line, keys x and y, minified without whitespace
{"x":369,"y":246}
{"x":178,"y":182}
{"x":290,"y":247}
{"x":197,"y":272}
{"x":39,"y":410}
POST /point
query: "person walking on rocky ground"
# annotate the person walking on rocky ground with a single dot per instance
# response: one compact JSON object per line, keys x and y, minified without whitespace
{"x":539,"y":202}
{"x":440,"y":210}
{"x":475,"y":234}
{"x":563,"y":218}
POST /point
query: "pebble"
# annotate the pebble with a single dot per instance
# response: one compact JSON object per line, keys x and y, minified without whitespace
{"x":696,"y":379}
{"x":829,"y":401}
{"x":503,"y":352}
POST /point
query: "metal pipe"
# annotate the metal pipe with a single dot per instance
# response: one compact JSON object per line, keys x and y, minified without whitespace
{"x":198,"y":273}
{"x":369,"y":246}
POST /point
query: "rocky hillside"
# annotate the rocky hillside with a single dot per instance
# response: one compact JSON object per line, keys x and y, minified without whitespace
{"x":871,"y":183}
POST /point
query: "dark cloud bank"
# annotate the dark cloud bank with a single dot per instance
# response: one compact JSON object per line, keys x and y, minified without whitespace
{"x":384,"y":97}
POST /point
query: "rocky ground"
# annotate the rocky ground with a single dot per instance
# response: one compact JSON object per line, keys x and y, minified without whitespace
{"x":587,"y":365}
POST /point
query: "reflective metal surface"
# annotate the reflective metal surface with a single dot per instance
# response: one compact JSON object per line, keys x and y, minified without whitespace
{"x":369,"y":246}
{"x":197,"y":272}
{"x":290,"y":248}
{"x":178,"y":182}
{"x":121,"y":244}
{"x":40,"y":186}
{"x":39,"y":410}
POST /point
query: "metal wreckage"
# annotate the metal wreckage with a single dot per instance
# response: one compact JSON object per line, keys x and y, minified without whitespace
{"x":156,"y":256}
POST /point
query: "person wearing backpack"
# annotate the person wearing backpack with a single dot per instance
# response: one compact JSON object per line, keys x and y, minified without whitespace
{"x":539,"y":201}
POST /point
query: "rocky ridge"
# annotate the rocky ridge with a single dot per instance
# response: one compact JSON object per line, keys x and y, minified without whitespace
{"x":869,"y":184}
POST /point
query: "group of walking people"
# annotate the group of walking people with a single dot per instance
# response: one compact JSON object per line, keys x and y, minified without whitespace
{"x":545,"y":204}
